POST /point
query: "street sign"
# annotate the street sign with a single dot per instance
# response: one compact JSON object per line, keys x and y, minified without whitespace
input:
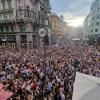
{"x":42,"y":32}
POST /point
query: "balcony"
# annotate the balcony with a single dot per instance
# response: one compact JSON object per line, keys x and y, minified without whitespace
{"x":22,"y":16}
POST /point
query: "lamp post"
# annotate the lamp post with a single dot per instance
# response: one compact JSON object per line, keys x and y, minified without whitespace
{"x":42,"y":33}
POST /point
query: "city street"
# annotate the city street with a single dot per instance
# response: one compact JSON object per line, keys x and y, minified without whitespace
{"x":23,"y":70}
{"x":49,"y":50}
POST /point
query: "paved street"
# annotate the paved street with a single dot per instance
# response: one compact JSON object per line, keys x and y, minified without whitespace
{"x":46,"y":46}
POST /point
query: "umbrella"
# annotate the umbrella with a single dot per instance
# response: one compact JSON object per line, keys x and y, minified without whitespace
{"x":86,"y":87}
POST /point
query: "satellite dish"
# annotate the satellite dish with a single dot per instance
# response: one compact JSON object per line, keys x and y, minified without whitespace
{"x":42,"y":32}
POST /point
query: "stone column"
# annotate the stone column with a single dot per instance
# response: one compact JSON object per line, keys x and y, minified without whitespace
{"x":29,"y":35}
{"x":29,"y":40}
{"x":18,"y":40}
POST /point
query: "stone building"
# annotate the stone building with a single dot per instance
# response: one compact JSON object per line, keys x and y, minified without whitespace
{"x":59,"y":27}
{"x":92,"y":22}
{"x":20,"y":21}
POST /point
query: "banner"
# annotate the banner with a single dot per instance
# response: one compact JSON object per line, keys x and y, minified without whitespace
{"x":4,"y":95}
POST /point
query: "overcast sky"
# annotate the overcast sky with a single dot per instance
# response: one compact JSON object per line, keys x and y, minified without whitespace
{"x":74,"y":11}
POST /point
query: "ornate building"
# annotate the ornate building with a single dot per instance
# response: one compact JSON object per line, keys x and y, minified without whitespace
{"x":92,"y":22}
{"x":59,"y":28}
{"x":20,"y":21}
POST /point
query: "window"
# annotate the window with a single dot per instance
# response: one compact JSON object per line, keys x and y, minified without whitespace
{"x":23,"y":38}
{"x":9,"y":3}
{"x":92,"y":24}
{"x":7,"y":28}
{"x":11,"y":38}
{"x":12,"y":29}
{"x":96,"y":30}
{"x":34,"y":16}
{"x":97,"y":23}
{"x":34,"y":28}
{"x":92,"y":30}
{"x":20,"y":13}
{"x":93,"y":18}
{"x":5,"y":16}
{"x":1,"y":28}
{"x":22,"y":28}
{"x":2,"y":38}
{"x":3,"y":4}
{"x":0,"y":16}
{"x":34,"y":38}
{"x":98,"y":17}
{"x":20,"y":3}
{"x":89,"y":23}
{"x":98,"y":9}
{"x":93,"y":12}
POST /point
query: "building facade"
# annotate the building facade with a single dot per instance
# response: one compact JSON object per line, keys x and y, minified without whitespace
{"x":92,"y":21}
{"x":56,"y":27}
{"x":20,"y":21}
{"x":59,"y":27}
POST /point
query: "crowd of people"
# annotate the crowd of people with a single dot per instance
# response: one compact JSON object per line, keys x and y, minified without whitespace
{"x":25,"y":73}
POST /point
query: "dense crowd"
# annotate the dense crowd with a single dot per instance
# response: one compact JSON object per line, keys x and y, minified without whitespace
{"x":24,"y":72}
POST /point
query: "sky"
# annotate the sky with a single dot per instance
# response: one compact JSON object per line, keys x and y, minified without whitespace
{"x":74,"y":11}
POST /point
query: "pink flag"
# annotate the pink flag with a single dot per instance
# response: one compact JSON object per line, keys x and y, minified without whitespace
{"x":4,"y":95}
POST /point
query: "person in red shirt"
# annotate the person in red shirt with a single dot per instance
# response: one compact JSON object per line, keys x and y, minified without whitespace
{"x":34,"y":86}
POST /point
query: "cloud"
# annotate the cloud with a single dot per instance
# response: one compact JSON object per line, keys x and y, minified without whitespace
{"x":73,"y":20}
{"x":74,"y":11}
{"x":76,"y":22}
{"x":76,"y":6}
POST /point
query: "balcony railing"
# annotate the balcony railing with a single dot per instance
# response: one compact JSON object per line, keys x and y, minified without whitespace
{"x":21,"y":16}
{"x":18,"y":19}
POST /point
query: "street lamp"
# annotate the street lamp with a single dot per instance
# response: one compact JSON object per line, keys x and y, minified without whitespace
{"x":42,"y":33}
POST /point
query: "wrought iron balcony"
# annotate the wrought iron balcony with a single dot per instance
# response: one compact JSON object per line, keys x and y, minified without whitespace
{"x":21,"y":17}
